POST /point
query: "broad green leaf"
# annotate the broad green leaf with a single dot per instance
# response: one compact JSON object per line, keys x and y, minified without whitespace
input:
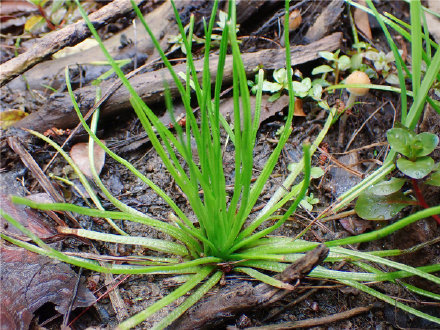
{"x":387,"y":187}
{"x":434,"y":179}
{"x":328,"y":56}
{"x":280,"y":76}
{"x":315,"y":92}
{"x":417,"y":169}
{"x":271,"y":87}
{"x":400,"y":140}
{"x":373,"y":207}
{"x":322,"y":69}
{"x":274,"y":97}
{"x":315,"y":172}
{"x":424,"y":144}
{"x":344,"y":63}
{"x":300,"y":89}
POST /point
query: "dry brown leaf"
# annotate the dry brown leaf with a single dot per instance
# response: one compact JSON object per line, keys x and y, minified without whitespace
{"x":432,"y":21}
{"x":268,"y":109}
{"x":361,"y":20}
{"x":80,"y":155}
{"x":30,"y":280}
{"x":27,"y":217}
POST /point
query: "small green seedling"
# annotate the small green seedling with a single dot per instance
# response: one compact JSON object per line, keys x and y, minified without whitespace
{"x":383,"y":63}
{"x":304,"y":88}
{"x":338,"y":64}
{"x":385,"y":199}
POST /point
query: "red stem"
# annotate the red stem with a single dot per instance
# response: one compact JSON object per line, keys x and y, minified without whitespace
{"x":48,"y":21}
{"x":421,"y":199}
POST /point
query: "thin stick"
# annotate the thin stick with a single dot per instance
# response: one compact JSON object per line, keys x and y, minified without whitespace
{"x":316,"y":321}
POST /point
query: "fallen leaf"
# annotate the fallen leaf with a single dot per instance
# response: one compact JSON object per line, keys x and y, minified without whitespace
{"x":30,"y":280}
{"x":9,"y":117}
{"x":33,"y":23}
{"x":355,"y":226}
{"x":268,"y":109}
{"x":361,"y":20}
{"x":80,"y":155}
{"x":432,"y":21}
{"x":27,"y":217}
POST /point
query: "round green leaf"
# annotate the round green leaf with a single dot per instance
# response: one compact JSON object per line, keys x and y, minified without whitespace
{"x":344,"y":63}
{"x":328,"y":55}
{"x":373,"y":207}
{"x":322,"y":69}
{"x":387,"y":187}
{"x":434,"y":179}
{"x":401,"y":140}
{"x":424,"y":144}
{"x":417,"y":169}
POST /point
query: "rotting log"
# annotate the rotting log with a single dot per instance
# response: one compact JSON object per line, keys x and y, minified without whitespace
{"x":58,"y":111}
{"x":67,"y":36}
{"x":139,"y":47}
{"x":51,"y":72}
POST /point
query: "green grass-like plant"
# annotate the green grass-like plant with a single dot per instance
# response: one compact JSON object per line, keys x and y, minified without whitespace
{"x":225,"y":232}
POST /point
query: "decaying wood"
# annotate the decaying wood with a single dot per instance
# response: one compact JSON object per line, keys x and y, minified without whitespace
{"x":67,"y":36}
{"x":243,"y":296}
{"x":160,"y":20}
{"x":59,"y":112}
{"x":51,"y":73}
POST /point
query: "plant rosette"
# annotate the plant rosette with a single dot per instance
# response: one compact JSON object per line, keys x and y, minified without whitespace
{"x":385,"y":200}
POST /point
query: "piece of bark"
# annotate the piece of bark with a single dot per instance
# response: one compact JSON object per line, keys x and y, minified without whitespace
{"x":67,"y":36}
{"x":51,"y":73}
{"x":163,"y":25}
{"x":325,"y":21}
{"x":243,"y":296}
{"x":59,"y":112}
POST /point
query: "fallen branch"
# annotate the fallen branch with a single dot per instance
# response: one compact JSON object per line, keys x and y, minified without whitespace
{"x":59,"y":112}
{"x":51,"y":73}
{"x":67,"y":36}
{"x":239,"y":297}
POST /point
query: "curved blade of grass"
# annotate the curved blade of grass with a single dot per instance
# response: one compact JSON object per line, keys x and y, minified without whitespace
{"x":265,"y":278}
{"x":182,"y":290}
{"x":421,"y":292}
{"x":189,"y":267}
{"x":249,"y":240}
{"x":272,"y":205}
{"x":151,"y":243}
{"x":390,"y":300}
{"x":190,"y":301}
{"x":80,"y":175}
{"x":390,"y":263}
{"x":116,"y":215}
{"x":399,"y":62}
